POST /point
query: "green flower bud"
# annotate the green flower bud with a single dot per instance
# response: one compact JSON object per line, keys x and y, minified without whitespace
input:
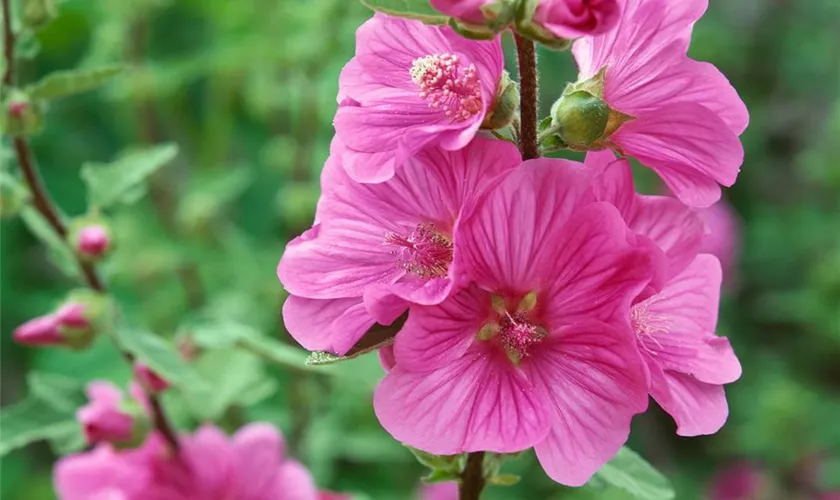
{"x":579,"y":119}
{"x":13,"y":196}
{"x":505,"y":106}
{"x":20,"y":116}
{"x":38,"y":13}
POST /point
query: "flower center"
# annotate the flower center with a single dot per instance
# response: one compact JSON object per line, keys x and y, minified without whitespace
{"x":647,"y":325}
{"x":517,"y":335}
{"x":447,"y":85}
{"x":424,"y":252}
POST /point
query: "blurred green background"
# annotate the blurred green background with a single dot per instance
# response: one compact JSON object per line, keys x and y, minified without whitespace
{"x":247,"y":90}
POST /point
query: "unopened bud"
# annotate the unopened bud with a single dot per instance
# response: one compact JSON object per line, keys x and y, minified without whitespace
{"x":108,"y":418}
{"x":21,"y":117}
{"x":528,"y":27}
{"x":504,"y":106}
{"x":477,"y":19}
{"x":38,"y":13}
{"x":40,"y":331}
{"x":93,"y":242}
{"x":579,"y":119}
{"x":13,"y":196}
{"x":152,"y":381}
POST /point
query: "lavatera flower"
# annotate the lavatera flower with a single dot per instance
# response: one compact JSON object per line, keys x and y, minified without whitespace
{"x":376,"y":247}
{"x":640,"y":95}
{"x":411,"y":85}
{"x":538,"y":350}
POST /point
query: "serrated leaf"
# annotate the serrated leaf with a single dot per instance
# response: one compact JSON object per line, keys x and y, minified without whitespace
{"x":122,"y":181}
{"x":419,"y":10}
{"x":630,"y":472}
{"x":160,"y":355}
{"x":69,"y":82}
{"x":60,"y":253}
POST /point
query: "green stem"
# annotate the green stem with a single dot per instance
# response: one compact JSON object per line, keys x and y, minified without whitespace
{"x":472,"y":478}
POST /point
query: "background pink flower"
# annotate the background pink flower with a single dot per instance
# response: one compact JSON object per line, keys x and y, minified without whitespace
{"x":439,"y":491}
{"x":376,"y":246}
{"x":575,"y":18}
{"x":723,"y":235}
{"x":464,"y":10}
{"x":535,"y":352}
{"x":411,"y":85}
{"x":102,"y":418}
{"x":686,"y":115}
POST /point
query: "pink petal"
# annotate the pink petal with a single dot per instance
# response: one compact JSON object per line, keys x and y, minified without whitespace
{"x":596,"y":272}
{"x":209,"y":457}
{"x":576,"y":18}
{"x":507,"y":242}
{"x":697,"y":407}
{"x":436,"y":336}
{"x":478,"y":402}
{"x":613,"y":181}
{"x":100,"y":473}
{"x":383,"y":305}
{"x":688,"y":146}
{"x":387,"y":358}
{"x":596,"y":381}
{"x":293,"y":482}
{"x":258,"y":450}
{"x":323,"y":325}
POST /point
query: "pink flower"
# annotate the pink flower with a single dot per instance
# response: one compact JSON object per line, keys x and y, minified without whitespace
{"x":537,"y":351}
{"x":575,"y":18}
{"x":686,"y":117}
{"x":151,"y":380}
{"x":40,"y":331}
{"x":69,"y":326}
{"x":723,"y":236}
{"x":210,"y":466}
{"x":743,"y":481}
{"x":439,"y":491}
{"x":411,"y":85}
{"x":376,"y":246}
{"x":464,"y":10}
{"x":102,"y":419}
{"x":688,"y":364}
{"x":675,"y":228}
{"x":93,"y":241}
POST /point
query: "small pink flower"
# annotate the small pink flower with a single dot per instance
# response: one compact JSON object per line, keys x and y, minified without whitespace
{"x":375,"y":247}
{"x":93,"y":241}
{"x":686,"y":115}
{"x":411,"y":85}
{"x":249,"y":466}
{"x":151,"y":380}
{"x":439,"y":491}
{"x":101,"y":419}
{"x":40,"y":331}
{"x":688,"y":364}
{"x":537,"y":351}
{"x":742,"y":481}
{"x":723,"y":235}
{"x":575,"y":18}
{"x":463,"y":10}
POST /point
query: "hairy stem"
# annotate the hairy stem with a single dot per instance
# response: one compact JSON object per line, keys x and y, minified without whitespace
{"x":49,"y":210}
{"x":472,"y":479}
{"x":527,"y":58}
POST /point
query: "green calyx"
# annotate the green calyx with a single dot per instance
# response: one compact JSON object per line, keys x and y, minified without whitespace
{"x":505,"y":105}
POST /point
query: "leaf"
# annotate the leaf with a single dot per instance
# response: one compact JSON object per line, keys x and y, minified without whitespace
{"x":504,"y":479}
{"x":69,"y":82}
{"x":378,"y":336}
{"x":60,"y":253}
{"x":274,"y":350}
{"x":161,"y":357}
{"x":632,"y":473}
{"x":62,"y":392}
{"x":419,"y":10}
{"x":441,"y":476}
{"x":445,"y":462}
{"x":119,"y":181}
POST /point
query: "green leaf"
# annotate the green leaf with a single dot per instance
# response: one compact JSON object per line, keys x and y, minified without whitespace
{"x":60,"y":253}
{"x":419,"y":10}
{"x":160,"y":355}
{"x":504,"y":479}
{"x":69,"y":82}
{"x":632,"y":473}
{"x":119,"y":181}
{"x":441,"y":476}
{"x":48,"y":412}
{"x":446,"y":462}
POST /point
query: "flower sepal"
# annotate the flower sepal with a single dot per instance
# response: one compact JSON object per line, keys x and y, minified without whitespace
{"x":505,"y":106}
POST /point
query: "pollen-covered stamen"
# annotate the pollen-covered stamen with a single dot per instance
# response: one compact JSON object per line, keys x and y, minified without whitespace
{"x":447,"y":85}
{"x":517,"y":335}
{"x":647,"y":324}
{"x":425,"y":252}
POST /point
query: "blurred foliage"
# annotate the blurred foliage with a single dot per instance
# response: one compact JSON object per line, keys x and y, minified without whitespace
{"x":247,"y":89}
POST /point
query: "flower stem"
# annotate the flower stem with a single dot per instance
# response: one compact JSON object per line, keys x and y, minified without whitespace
{"x":472,"y":478}
{"x":527,"y":58}
{"x":49,"y":210}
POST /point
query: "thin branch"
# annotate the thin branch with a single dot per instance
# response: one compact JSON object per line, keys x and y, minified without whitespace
{"x":47,"y":207}
{"x":527,"y":58}
{"x":472,"y":479}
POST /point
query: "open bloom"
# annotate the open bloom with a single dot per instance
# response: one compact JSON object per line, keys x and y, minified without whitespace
{"x":688,"y":363}
{"x":375,"y":246}
{"x":575,"y":18}
{"x":411,"y":85}
{"x":537,"y":351}
{"x":210,"y":466}
{"x":680,"y":117}
{"x":102,"y":418}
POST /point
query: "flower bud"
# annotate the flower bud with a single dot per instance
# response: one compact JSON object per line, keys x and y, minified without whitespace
{"x":477,"y":19}
{"x":569,"y":19}
{"x":93,"y":242}
{"x":102,"y":418}
{"x":38,"y":13}
{"x":40,"y":331}
{"x":504,"y":106}
{"x":21,"y":116}
{"x":13,"y":196}
{"x":152,"y":381}
{"x":579,"y":119}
